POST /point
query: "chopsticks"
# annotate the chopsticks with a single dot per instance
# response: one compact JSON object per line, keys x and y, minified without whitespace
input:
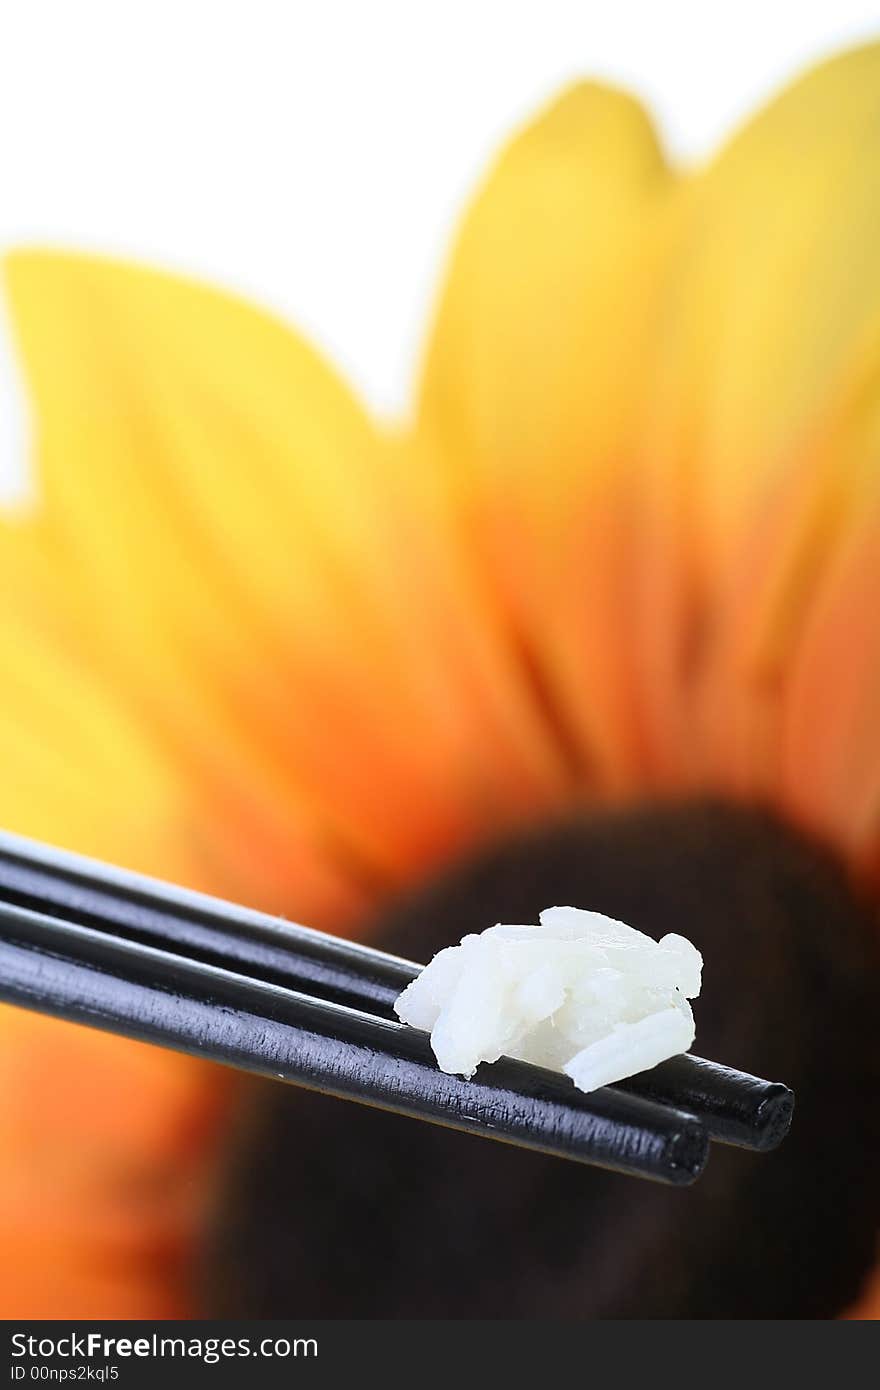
{"x":155,"y":996}
{"x":99,"y":945}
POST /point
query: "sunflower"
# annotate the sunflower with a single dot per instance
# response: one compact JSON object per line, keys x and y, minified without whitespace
{"x":625,"y":553}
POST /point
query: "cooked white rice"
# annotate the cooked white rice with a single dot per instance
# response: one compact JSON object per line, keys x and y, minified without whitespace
{"x":581,"y":993}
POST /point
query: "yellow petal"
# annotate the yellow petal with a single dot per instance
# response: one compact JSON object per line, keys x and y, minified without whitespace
{"x":777,"y":284}
{"x":106,"y":1146}
{"x":78,"y":769}
{"x":769,"y":333}
{"x":269,"y":588}
{"x":531,"y":376}
{"x":136,"y":415}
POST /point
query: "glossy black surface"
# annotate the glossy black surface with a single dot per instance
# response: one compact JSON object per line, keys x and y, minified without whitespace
{"x":202,"y":928}
{"x":737,"y":1108}
{"x":91,"y":977}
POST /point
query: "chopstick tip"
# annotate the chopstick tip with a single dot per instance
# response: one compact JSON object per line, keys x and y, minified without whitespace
{"x":687,"y":1153}
{"x":773,"y":1117}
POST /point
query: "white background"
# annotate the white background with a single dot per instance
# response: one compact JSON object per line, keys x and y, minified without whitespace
{"x":314,"y":153}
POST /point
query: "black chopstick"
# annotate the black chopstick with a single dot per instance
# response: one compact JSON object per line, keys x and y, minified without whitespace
{"x":92,"y":977}
{"x":207,"y":929}
{"x":736,"y":1108}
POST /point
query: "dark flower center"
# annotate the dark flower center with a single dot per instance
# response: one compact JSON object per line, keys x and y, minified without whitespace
{"x":331,"y":1210}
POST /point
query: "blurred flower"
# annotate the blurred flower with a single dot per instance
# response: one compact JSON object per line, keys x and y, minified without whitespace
{"x":253,"y":642}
